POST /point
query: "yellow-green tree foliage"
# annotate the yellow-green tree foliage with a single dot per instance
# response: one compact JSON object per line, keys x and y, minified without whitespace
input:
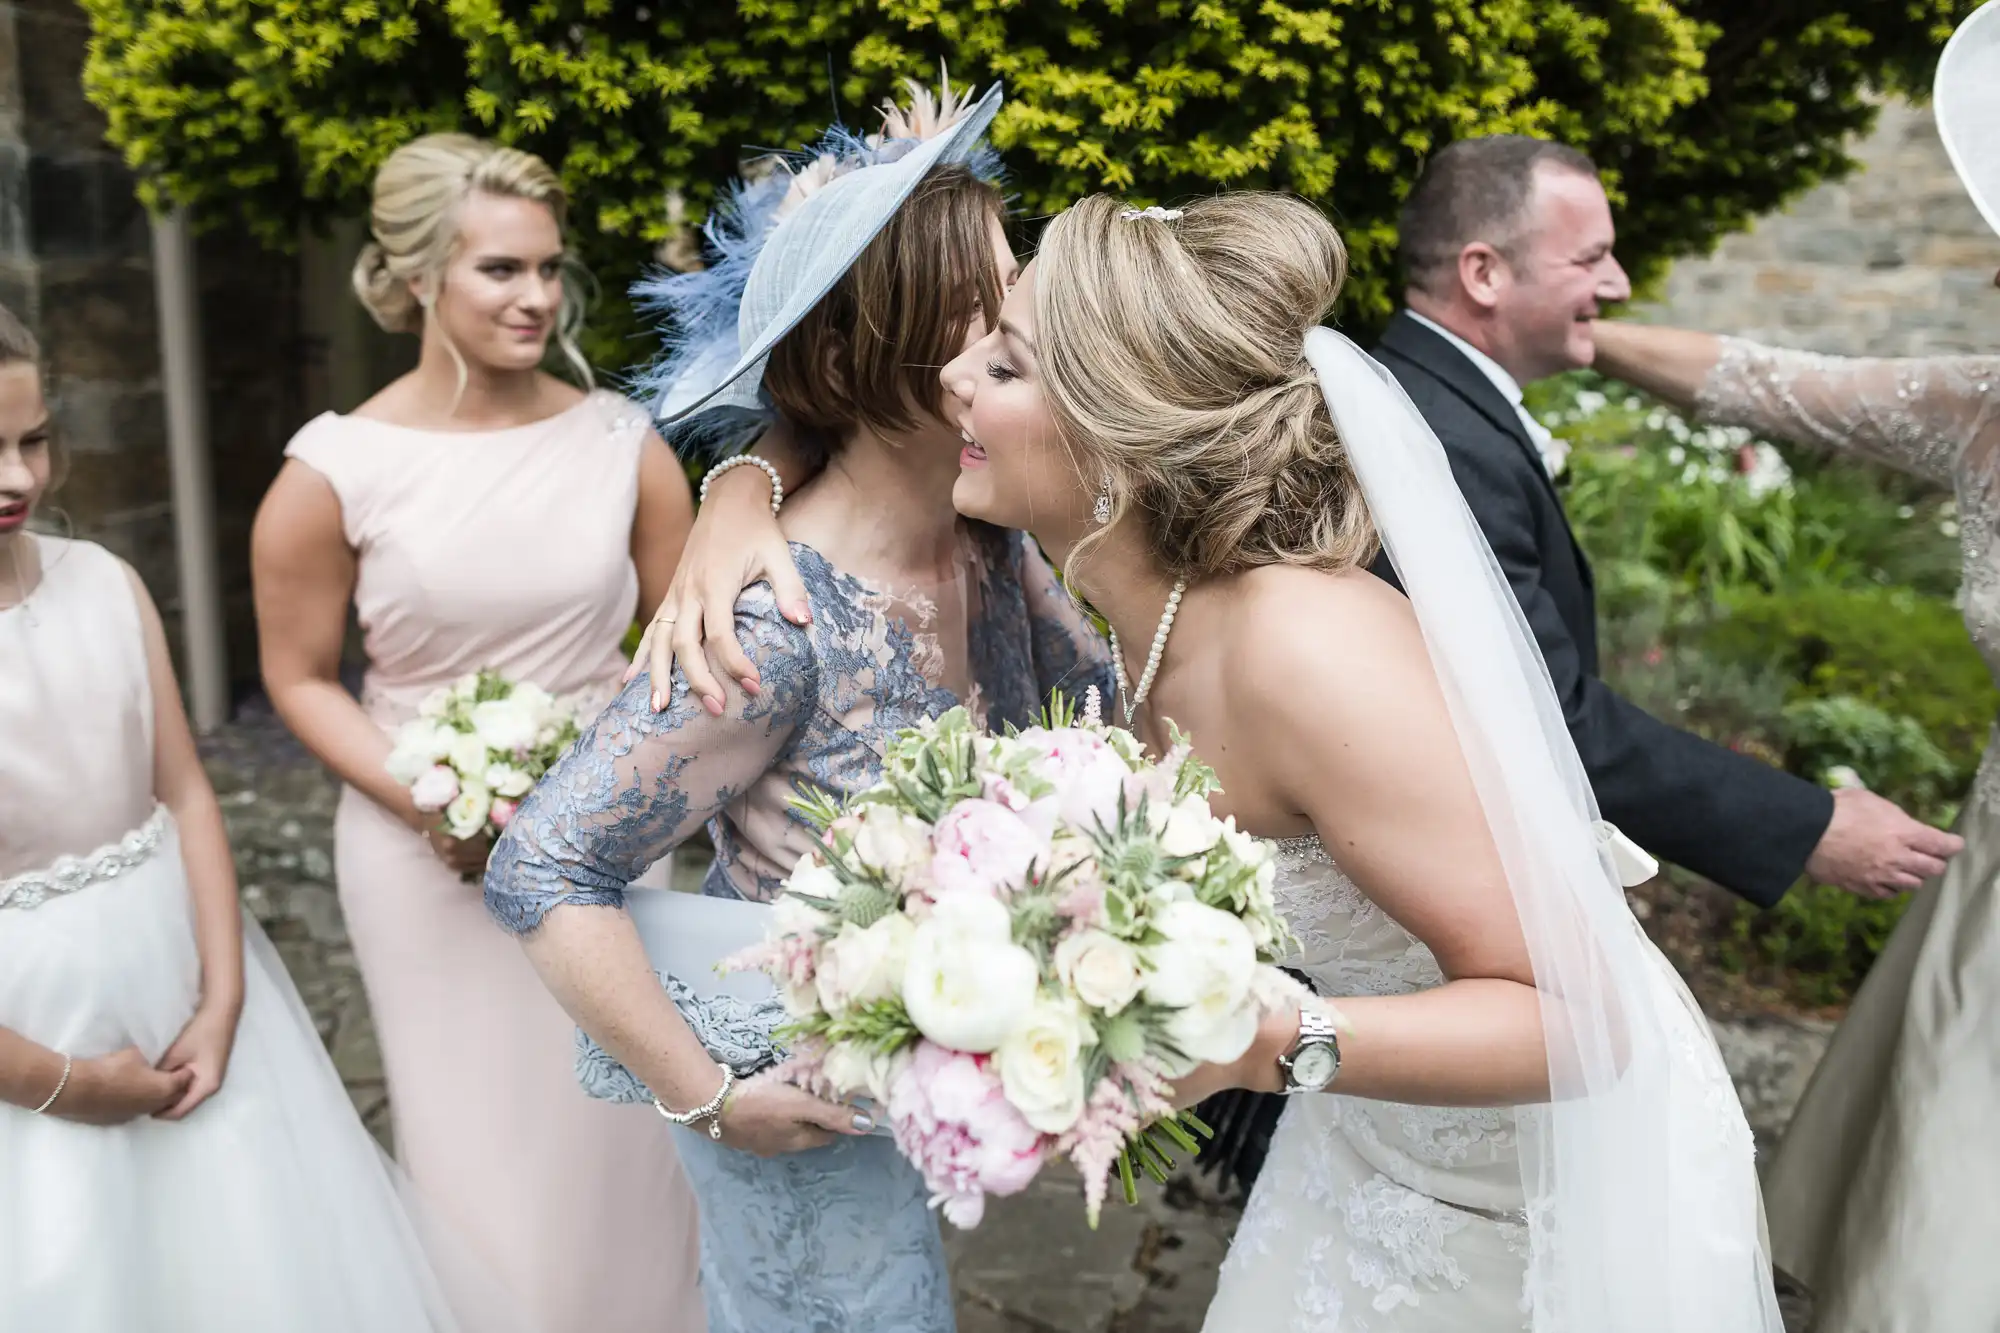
{"x":1702,"y":113}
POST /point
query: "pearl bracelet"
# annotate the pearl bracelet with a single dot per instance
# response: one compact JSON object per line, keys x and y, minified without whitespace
{"x":747,"y":460}
{"x":69,"y":1063}
{"x":711,"y":1110}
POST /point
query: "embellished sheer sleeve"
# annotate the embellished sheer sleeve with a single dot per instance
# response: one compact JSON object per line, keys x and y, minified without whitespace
{"x":1069,"y":653}
{"x":1921,"y":415}
{"x":639,"y":783}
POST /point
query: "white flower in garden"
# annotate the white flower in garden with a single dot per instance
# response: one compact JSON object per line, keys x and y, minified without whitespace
{"x":1205,"y":959}
{"x":1189,"y":828}
{"x":852,"y":1067}
{"x":968,"y":985}
{"x":1840,"y":775}
{"x":507,"y":780}
{"x":434,"y":789}
{"x":1102,"y":969}
{"x":465,"y":817}
{"x":435,"y":705}
{"x":860,"y":966}
{"x":508,"y":725}
{"x":811,"y":878}
{"x":1041,"y":1065}
{"x":1588,"y":403}
{"x":469,"y":755}
{"x":1767,"y":472}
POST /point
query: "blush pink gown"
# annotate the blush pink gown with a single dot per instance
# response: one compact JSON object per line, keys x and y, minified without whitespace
{"x":507,"y":550}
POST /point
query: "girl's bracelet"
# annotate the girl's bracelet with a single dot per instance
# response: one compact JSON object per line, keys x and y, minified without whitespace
{"x":69,"y":1063}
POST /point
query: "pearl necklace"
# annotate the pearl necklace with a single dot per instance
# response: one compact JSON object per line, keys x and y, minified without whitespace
{"x":1129,"y":698}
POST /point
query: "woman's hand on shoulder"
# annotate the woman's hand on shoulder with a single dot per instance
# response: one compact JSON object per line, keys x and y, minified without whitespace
{"x":767,"y":1116}
{"x":735,"y":542}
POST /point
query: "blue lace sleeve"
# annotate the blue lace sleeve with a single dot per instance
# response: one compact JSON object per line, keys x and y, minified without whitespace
{"x":1070,"y":654}
{"x":638,"y":783}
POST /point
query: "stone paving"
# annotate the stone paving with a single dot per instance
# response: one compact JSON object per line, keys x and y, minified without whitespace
{"x":1032,"y":1267}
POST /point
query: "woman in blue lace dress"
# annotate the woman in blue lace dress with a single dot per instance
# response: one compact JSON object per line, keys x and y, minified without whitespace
{"x":808,"y":1221}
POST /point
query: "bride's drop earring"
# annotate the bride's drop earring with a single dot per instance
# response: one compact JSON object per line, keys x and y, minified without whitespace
{"x":1101,"y":510}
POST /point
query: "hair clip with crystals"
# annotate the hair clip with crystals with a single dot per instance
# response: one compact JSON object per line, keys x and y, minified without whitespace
{"x":1156,"y":213}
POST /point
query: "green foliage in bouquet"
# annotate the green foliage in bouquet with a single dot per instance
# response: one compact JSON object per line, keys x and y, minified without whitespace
{"x":1703,"y":113}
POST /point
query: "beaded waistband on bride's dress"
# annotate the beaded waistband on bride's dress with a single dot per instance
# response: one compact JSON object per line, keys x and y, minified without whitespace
{"x":68,"y":874}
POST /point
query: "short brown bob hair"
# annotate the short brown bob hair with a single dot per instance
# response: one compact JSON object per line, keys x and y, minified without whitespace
{"x":870,"y":352}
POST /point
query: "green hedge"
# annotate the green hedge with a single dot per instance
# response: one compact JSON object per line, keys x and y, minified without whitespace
{"x":1703,"y":113}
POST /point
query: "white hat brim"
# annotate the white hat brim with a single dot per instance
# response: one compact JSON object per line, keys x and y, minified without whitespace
{"x":1966,"y":102}
{"x":888,"y":186}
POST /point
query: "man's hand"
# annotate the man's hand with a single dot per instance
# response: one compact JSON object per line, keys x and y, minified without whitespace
{"x":1874,"y":850}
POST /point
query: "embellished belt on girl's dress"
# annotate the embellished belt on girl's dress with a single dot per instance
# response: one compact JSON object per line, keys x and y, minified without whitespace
{"x":70,"y":873}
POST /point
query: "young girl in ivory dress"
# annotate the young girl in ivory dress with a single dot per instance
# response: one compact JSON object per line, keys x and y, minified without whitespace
{"x":176,"y":1151}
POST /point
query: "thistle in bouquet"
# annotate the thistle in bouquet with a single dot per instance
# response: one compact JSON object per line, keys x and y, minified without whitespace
{"x":476,"y":747}
{"x":1014,"y":943}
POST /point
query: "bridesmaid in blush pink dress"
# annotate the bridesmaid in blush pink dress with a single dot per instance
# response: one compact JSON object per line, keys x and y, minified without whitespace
{"x":478,"y":514}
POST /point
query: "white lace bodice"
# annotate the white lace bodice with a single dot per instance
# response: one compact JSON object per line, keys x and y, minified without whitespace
{"x":1349,"y":946}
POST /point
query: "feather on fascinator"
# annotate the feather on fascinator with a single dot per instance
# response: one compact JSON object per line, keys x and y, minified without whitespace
{"x":779,"y":239}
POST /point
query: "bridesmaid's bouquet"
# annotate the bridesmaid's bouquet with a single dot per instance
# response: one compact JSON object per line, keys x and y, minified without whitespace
{"x":477,"y":746}
{"x":1012,"y":944}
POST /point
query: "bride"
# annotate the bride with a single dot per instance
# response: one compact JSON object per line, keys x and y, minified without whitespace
{"x":1528,"y":1124}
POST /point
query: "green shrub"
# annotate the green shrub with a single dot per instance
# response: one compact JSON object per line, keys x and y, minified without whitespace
{"x":278,"y":111}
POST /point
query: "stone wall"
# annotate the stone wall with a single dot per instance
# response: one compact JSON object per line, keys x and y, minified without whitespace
{"x":76,"y":263}
{"x":1893,"y":261}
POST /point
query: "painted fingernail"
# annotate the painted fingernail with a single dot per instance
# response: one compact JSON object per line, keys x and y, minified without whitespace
{"x":714,"y":706}
{"x":658,"y":702}
{"x":863,"y":1123}
{"x":751,"y":687}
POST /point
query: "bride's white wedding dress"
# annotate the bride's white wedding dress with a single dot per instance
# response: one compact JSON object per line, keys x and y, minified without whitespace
{"x":1373,"y":1216}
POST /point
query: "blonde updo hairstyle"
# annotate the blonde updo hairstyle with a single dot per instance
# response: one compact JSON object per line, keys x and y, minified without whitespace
{"x":1171,"y":357}
{"x":414,"y":221}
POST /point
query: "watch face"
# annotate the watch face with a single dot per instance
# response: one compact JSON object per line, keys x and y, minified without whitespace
{"x":1314,"y":1067}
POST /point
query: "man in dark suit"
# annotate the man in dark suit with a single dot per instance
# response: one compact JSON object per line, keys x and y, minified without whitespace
{"x":1507,"y":252}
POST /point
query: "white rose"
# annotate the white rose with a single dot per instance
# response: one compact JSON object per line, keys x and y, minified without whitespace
{"x":419,"y":744}
{"x":1101,"y":969}
{"x":506,"y":725}
{"x":1041,"y":1065}
{"x":466,"y":815}
{"x":852,"y":1067}
{"x":508,"y":781}
{"x":861,"y":966}
{"x":1190,"y":829}
{"x":889,"y":842}
{"x":435,"y":704}
{"x":434,"y":789}
{"x":466,"y":688}
{"x":1213,"y":1031}
{"x":536,"y":701}
{"x":468,"y":754}
{"x":967,"y":985}
{"x":811,"y":879}
{"x":1205,"y":960}
{"x":791,"y":916}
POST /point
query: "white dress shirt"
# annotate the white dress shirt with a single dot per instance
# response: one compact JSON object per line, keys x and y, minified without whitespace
{"x":1552,"y":450}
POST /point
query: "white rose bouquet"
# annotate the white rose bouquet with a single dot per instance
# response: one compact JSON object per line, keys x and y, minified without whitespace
{"x":477,"y":746}
{"x":1014,"y":943}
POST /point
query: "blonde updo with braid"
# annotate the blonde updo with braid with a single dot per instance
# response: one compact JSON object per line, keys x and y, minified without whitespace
{"x":1171,"y":356}
{"x":414,"y":222}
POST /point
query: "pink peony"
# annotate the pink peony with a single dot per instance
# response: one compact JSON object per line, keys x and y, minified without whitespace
{"x":435,"y":788}
{"x":953,"y":1121}
{"x":1087,"y":773}
{"x":984,"y":846}
{"x":502,"y":812}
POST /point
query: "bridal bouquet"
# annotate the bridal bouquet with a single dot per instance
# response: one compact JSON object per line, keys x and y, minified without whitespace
{"x":1013,"y":943}
{"x":477,"y":746}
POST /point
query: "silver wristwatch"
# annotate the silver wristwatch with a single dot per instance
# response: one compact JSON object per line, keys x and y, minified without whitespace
{"x":1314,"y":1059}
